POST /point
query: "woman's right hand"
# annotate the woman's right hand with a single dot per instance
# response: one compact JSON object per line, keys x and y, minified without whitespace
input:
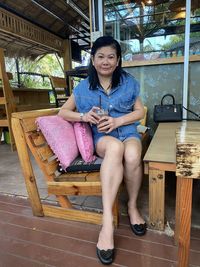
{"x":92,"y":116}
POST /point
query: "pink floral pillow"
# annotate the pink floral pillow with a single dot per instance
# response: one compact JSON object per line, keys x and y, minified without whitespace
{"x":60,"y":136}
{"x":84,"y":141}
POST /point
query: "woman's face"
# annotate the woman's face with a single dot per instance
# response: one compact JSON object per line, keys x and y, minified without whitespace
{"x":105,"y":61}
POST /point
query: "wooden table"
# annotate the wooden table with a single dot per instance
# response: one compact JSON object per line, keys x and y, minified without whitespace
{"x":159,"y":158}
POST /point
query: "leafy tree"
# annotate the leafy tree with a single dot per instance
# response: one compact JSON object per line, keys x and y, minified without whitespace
{"x":45,"y":65}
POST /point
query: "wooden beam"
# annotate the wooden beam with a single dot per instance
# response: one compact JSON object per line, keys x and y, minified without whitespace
{"x":74,"y":188}
{"x":72,"y":214}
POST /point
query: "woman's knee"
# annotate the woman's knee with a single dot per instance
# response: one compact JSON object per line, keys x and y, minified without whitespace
{"x":115,"y":148}
{"x":132,"y":155}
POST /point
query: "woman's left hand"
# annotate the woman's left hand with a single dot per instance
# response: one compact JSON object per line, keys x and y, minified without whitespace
{"x":107,"y":124}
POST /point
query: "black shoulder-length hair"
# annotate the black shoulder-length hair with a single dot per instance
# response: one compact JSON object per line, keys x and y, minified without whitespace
{"x":92,"y":73}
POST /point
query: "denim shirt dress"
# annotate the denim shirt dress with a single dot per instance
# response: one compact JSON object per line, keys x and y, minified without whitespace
{"x":120,"y":101}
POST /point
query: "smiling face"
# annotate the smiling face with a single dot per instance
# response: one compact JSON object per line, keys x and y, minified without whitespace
{"x":105,"y":61}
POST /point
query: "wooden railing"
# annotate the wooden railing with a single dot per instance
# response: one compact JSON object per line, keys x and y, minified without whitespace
{"x":17,"y":26}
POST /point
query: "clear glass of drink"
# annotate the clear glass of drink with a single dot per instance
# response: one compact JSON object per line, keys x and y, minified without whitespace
{"x":101,"y":112}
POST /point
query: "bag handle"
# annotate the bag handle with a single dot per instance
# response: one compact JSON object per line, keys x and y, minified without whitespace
{"x":166,"y":96}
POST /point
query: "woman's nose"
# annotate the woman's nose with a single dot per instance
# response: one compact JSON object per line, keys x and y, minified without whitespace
{"x":105,"y":61}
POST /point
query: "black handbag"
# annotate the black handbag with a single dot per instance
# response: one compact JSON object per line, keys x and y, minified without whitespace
{"x":169,"y":112}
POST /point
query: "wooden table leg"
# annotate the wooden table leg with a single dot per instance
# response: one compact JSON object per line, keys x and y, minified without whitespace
{"x":156,"y":199}
{"x":183,"y":219}
{"x":177,"y":211}
{"x":25,"y":162}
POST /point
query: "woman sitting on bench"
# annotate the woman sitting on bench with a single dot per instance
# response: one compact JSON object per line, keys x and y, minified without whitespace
{"x":109,"y":100}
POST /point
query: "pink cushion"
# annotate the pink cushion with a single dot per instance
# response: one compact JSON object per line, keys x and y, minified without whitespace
{"x":60,"y":136}
{"x":84,"y":141}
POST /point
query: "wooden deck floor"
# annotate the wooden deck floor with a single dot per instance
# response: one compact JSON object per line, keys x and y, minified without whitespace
{"x":29,"y":241}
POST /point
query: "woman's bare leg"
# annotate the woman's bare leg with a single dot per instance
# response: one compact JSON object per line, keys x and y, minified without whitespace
{"x":111,"y":175}
{"x":133,"y":177}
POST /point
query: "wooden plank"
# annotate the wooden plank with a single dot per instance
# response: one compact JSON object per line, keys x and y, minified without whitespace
{"x":185,"y":206}
{"x":51,"y":166}
{"x":37,"y":138}
{"x":20,"y":229}
{"x":72,"y":214}
{"x":162,"y":166}
{"x":159,"y":61}
{"x":74,"y":188}
{"x":35,"y":113}
{"x":67,"y":177}
{"x":48,"y":168}
{"x":4,"y":123}
{"x":25,"y":162}
{"x":93,"y":176}
{"x":45,"y":153}
{"x":156,"y":199}
{"x":2,"y":101}
{"x":29,"y":124}
{"x":64,"y":202}
{"x":58,"y":82}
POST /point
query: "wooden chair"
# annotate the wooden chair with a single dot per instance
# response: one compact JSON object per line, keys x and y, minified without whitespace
{"x":59,"y":87}
{"x":27,"y":136}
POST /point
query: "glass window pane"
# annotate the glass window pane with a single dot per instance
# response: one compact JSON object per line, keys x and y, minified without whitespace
{"x":147,"y":30}
{"x":194,"y":78}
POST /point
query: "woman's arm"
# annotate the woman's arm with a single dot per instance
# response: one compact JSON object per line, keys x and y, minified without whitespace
{"x":68,"y":112}
{"x":136,"y":115}
{"x":109,"y":123}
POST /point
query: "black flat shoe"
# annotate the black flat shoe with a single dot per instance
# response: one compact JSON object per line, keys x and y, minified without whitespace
{"x":105,"y":256}
{"x":139,"y":229}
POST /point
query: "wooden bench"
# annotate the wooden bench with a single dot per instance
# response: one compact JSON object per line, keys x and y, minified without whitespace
{"x":62,"y":186}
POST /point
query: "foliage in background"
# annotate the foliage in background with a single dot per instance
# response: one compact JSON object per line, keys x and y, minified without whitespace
{"x":47,"y":65}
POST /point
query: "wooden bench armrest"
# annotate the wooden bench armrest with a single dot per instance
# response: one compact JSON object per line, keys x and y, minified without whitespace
{"x":35,"y":113}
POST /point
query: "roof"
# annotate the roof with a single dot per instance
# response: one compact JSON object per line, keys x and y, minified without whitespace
{"x":63,"y":19}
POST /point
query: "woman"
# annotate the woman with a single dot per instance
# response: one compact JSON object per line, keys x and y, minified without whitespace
{"x":115,"y":135}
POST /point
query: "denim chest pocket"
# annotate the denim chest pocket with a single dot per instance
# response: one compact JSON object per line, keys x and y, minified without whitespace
{"x":124,"y":104}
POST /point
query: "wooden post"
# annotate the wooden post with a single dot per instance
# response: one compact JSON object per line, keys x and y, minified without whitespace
{"x":187,"y":169}
{"x":67,"y":59}
{"x":183,"y":224}
{"x":7,"y":100}
{"x":27,"y":168}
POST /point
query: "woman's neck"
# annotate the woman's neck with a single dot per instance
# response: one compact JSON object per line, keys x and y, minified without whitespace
{"x":105,"y":82}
